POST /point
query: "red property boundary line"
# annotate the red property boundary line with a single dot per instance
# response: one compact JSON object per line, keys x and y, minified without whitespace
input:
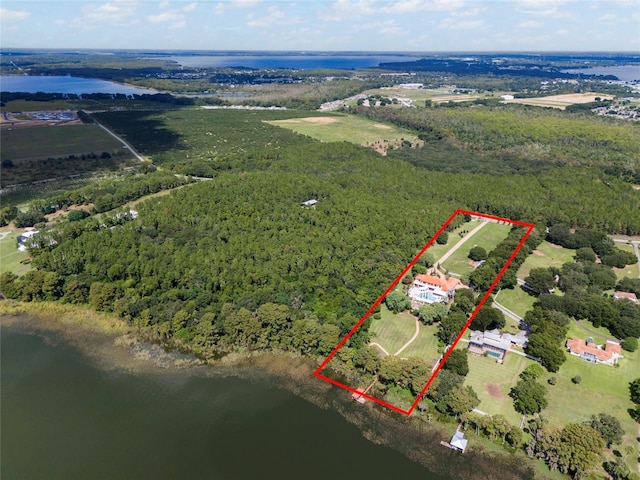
{"x":317,"y":373}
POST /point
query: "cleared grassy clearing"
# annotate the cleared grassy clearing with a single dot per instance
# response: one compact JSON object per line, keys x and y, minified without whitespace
{"x":546,"y":255}
{"x":487,"y":237}
{"x":346,"y":128}
{"x":392,"y":331}
{"x":560,"y":101}
{"x":492,"y":382}
{"x":516,"y":300}
{"x":10,"y":256}
{"x":425,"y":346}
{"x":630,"y":271}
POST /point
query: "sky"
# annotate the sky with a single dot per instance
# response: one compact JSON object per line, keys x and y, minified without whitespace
{"x":335,"y":25}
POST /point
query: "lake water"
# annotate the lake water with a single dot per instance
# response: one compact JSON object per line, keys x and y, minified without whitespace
{"x":63,"y":417}
{"x":289,"y":61}
{"x":65,"y":84}
{"x":626,"y":73}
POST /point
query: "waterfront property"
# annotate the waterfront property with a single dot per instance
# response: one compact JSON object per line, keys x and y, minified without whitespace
{"x":588,"y":351}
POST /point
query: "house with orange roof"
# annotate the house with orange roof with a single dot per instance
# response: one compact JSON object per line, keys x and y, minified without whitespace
{"x":587,"y":350}
{"x":430,"y":289}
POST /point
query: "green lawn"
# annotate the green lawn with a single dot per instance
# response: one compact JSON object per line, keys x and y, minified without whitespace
{"x":576,"y":331}
{"x":346,"y":128}
{"x":10,"y":256}
{"x":392,"y":331}
{"x":425,"y":346}
{"x":438,"y":250}
{"x":487,"y":237}
{"x":546,"y":255}
{"x":516,"y":300}
{"x":603,"y":389}
{"x":492,"y":382}
{"x":630,"y":271}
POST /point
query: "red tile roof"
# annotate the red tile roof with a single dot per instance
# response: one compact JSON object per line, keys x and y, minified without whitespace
{"x":442,"y":283}
{"x":580,"y":346}
{"x":626,"y":295}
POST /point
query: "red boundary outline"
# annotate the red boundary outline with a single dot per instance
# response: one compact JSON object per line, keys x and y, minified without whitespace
{"x":317,"y":373}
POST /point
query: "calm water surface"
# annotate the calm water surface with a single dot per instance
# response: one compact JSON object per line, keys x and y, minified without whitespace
{"x":63,"y":417}
{"x":65,"y":84}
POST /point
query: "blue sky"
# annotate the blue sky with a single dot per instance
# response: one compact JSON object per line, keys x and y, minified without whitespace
{"x":369,"y":25}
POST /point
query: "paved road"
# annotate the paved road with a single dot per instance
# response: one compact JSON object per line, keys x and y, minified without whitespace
{"x":446,"y":256}
{"x":415,"y":335}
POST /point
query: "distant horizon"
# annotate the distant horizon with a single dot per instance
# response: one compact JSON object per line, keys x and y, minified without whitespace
{"x":5,"y":50}
{"x":324,"y":25}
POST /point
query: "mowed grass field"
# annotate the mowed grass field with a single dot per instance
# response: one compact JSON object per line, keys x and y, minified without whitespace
{"x":345,"y":128}
{"x":392,"y":331}
{"x":630,"y":271}
{"x":425,"y":346}
{"x":55,"y":141}
{"x":602,"y":389}
{"x":546,"y":255}
{"x":438,"y":250}
{"x":487,"y":237}
{"x":516,"y":300}
{"x":10,"y":256}
{"x":492,"y":382}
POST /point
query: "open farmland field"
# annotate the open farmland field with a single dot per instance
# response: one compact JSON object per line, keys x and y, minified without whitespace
{"x":546,"y":255}
{"x":44,"y":141}
{"x":560,"y":101}
{"x":346,"y":128}
{"x":45,"y":152}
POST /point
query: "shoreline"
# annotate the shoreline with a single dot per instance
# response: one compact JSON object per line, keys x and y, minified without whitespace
{"x":111,"y":344}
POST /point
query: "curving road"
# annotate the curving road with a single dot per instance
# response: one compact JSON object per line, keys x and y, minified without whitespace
{"x":633,"y":243}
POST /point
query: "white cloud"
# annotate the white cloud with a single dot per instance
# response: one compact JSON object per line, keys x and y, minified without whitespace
{"x":541,"y":8}
{"x":348,"y":9}
{"x":608,"y":17}
{"x":221,"y":7}
{"x":451,"y":23}
{"x":7,"y":15}
{"x":174,"y":19}
{"x":190,"y":8}
{"x":164,"y":4}
{"x":274,"y":16}
{"x":388,"y":27}
{"x":114,"y":13}
{"x":562,"y":31}
{"x":530,"y":24}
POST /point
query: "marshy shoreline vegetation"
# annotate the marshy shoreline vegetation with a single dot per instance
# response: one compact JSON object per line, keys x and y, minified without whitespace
{"x":235,"y":267}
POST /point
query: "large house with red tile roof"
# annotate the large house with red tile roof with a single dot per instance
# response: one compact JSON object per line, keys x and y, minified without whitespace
{"x":587,"y":350}
{"x":430,"y":289}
